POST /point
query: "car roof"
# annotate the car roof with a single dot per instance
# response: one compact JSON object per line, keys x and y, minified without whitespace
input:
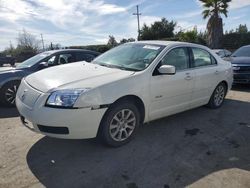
{"x":246,"y":46}
{"x":161,"y":42}
{"x":170,"y":43}
{"x":72,"y":50}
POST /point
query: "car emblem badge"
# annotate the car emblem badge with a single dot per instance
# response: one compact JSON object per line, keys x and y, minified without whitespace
{"x":24,"y":95}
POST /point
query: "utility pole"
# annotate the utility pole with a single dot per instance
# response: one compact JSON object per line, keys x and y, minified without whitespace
{"x":42,"y":41}
{"x":138,"y":20}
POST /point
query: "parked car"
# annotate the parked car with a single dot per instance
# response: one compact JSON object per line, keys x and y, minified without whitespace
{"x":10,"y":77}
{"x":223,"y":53}
{"x":240,"y":60}
{"x":121,"y":89}
{"x":7,"y":60}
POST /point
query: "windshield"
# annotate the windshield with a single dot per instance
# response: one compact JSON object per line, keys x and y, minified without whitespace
{"x":33,"y":60}
{"x":131,"y":56}
{"x":242,"y":52}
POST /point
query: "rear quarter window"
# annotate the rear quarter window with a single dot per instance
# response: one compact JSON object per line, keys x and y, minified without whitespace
{"x":85,"y":56}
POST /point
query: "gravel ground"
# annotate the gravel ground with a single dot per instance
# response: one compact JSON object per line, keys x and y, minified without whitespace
{"x":197,"y":148}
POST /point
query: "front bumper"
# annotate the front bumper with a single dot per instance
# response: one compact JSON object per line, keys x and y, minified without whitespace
{"x":241,"y":78}
{"x":60,"y":123}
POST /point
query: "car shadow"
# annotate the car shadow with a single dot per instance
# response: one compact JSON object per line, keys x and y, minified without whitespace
{"x":172,"y":152}
{"x":8,"y":112}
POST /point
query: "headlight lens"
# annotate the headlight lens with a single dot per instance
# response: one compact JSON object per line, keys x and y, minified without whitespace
{"x":64,"y":98}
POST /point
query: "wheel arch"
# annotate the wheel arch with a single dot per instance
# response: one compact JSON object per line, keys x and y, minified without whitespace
{"x":226,"y":84}
{"x":133,"y":98}
{"x":8,"y":81}
{"x":137,"y":101}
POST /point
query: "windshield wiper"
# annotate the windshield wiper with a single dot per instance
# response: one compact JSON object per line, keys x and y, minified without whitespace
{"x":115,"y":66}
{"x":127,"y":68}
{"x":107,"y":65}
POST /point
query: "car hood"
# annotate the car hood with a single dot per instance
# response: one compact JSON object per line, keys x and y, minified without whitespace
{"x":11,"y":69}
{"x":6,"y":69}
{"x":75,"y":75}
{"x":240,"y":60}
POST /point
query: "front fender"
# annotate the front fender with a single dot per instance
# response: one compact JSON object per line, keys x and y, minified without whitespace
{"x":109,"y":93}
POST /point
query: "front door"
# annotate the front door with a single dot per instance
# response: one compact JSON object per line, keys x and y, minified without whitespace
{"x":172,"y":93}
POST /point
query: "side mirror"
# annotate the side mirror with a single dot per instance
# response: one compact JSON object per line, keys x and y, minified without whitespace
{"x":167,"y":69}
{"x":43,"y":65}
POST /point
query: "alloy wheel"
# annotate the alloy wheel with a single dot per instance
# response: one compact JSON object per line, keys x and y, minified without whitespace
{"x":219,"y":95}
{"x":10,"y":94}
{"x":122,"y":125}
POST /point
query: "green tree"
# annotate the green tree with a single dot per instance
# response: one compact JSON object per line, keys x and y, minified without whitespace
{"x":127,"y":40}
{"x":146,"y":33}
{"x":112,"y":42}
{"x":242,"y":29}
{"x":192,"y":36}
{"x":158,"y":30}
{"x":212,"y":10}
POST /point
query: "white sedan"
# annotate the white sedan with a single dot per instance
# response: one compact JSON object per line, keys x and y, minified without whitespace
{"x":129,"y":85}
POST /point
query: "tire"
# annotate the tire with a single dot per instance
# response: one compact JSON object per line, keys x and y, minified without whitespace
{"x":218,"y":96}
{"x":119,"y":124}
{"x":8,"y":93}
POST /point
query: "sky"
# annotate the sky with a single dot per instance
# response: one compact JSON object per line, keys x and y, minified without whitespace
{"x":86,"y":22}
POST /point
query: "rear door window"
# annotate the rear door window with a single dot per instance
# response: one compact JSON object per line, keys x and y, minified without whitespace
{"x":202,"y":58}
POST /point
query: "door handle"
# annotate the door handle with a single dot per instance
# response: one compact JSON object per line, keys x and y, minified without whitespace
{"x":188,"y":77}
{"x":216,"y":72}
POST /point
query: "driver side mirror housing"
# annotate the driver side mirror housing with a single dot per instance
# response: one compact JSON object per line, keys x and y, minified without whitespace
{"x":167,"y":70}
{"x":43,"y":65}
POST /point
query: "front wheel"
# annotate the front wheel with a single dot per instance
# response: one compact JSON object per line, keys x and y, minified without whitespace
{"x":218,"y":96}
{"x":8,"y":93}
{"x":119,"y":124}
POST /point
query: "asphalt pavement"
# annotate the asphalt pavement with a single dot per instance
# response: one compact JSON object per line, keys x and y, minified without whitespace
{"x":196,"y":148}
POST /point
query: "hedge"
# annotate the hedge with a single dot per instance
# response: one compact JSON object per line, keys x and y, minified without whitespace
{"x":234,"y":41}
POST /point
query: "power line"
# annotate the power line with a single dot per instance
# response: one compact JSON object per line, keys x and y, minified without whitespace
{"x":138,"y":20}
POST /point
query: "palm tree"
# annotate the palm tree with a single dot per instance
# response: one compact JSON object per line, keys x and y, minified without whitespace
{"x":213,"y":10}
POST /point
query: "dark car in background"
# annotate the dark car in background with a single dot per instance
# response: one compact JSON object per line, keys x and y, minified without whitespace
{"x":240,"y":60}
{"x":10,"y":77}
{"x":6,"y":60}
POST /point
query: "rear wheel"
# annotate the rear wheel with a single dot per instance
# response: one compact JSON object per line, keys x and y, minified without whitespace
{"x":8,"y":93}
{"x":120,"y":124}
{"x":218,"y":96}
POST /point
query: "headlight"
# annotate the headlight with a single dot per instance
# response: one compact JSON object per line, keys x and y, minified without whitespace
{"x":64,"y":98}
{"x":236,"y":68}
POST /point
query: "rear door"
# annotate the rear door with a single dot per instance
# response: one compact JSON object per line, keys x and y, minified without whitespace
{"x":207,"y":73}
